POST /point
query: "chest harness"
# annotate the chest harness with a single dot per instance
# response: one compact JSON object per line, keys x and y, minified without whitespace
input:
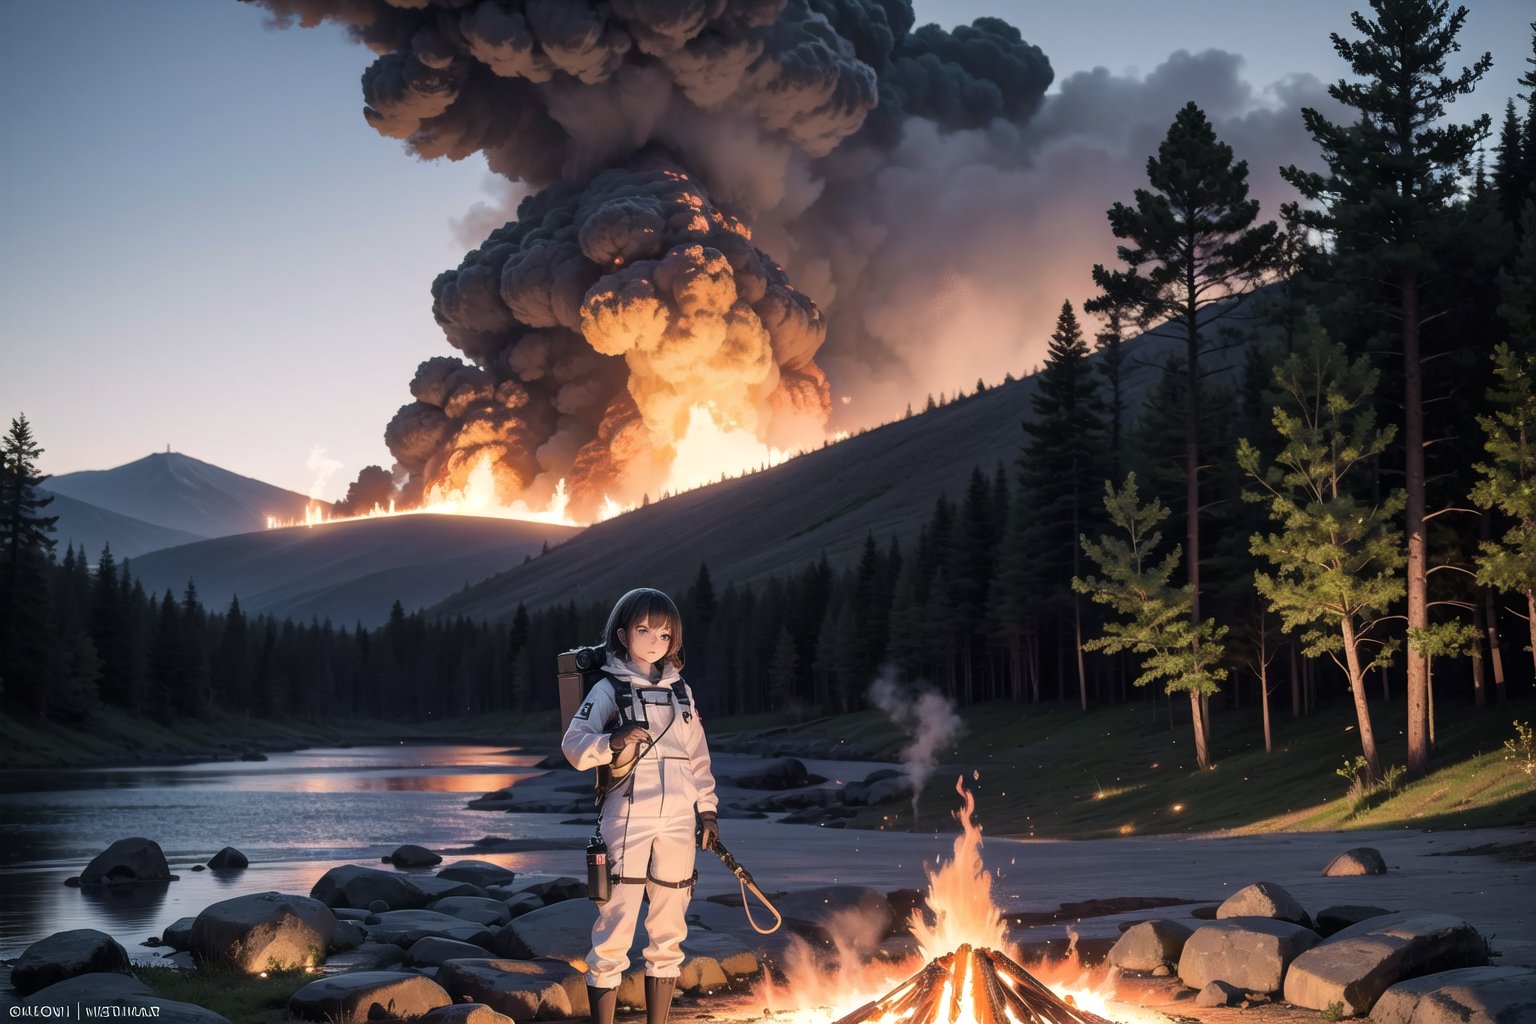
{"x":611,"y":777}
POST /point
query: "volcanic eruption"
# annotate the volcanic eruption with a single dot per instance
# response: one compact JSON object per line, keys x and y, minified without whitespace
{"x":627,"y":303}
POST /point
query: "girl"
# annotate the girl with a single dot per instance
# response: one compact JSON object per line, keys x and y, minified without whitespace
{"x":639,"y":722}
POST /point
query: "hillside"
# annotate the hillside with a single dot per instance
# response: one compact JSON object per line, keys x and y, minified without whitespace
{"x":178,"y":492}
{"x":349,"y":572}
{"x":90,"y":528}
{"x":883,"y":482}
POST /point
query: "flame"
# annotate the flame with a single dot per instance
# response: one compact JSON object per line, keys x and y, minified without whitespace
{"x":712,"y":448}
{"x":961,"y":915}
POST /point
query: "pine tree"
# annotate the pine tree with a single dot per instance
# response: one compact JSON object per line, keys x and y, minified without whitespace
{"x":1195,"y":242}
{"x":1061,"y":469}
{"x":1333,"y":551}
{"x":1392,"y":174}
{"x":1154,"y":614}
{"x":26,"y":548}
{"x":1508,"y":484}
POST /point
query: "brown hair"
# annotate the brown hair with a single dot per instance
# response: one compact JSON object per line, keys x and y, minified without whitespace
{"x":645,"y":605}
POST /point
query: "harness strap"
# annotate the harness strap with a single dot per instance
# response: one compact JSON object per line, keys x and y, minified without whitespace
{"x":653,"y":880}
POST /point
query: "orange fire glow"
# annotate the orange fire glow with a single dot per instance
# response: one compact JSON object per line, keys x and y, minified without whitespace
{"x":960,"y":913}
{"x":712,"y":448}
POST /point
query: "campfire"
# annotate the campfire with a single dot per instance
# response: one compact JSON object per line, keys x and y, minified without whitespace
{"x":961,"y":974}
{"x":971,"y":986}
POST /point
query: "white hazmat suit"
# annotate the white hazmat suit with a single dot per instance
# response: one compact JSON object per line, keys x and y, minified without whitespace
{"x":647,"y":819}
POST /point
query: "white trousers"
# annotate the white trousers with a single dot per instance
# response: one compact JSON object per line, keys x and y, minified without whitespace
{"x":660,"y":849}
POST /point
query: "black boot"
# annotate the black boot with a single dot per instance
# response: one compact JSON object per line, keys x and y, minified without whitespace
{"x":603,"y":1002}
{"x":658,"y":999}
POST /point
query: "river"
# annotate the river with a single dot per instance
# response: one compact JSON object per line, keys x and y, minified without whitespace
{"x":295,"y":816}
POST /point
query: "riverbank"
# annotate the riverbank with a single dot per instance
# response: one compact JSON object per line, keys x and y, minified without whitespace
{"x":1046,"y":771}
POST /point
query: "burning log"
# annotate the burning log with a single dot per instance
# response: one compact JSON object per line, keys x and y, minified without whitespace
{"x":971,"y":986}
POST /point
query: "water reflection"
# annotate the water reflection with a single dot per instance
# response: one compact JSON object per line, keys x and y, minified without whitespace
{"x":132,"y":905}
{"x":295,"y":816}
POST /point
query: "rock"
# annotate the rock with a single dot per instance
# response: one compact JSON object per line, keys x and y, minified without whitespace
{"x":1264,"y":899}
{"x":352,"y":886}
{"x":784,"y":773}
{"x":1252,"y":953}
{"x":1219,"y":993}
{"x":351,"y":998}
{"x":500,"y":800}
{"x":370,"y":956}
{"x":265,"y":929}
{"x":1162,"y":971}
{"x":479,"y":909}
{"x":348,"y":935}
{"x":522,"y":903}
{"x":199,"y":867}
{"x":1355,"y":966}
{"x":118,"y":991}
{"x":796,"y":800}
{"x":563,"y":932}
{"x":229,"y":859}
{"x":521,"y":989}
{"x":128,"y":860}
{"x":430,"y":951}
{"x":464,"y":1013}
{"x":559,"y":890}
{"x":65,"y":955}
{"x":903,"y":903}
{"x":1362,"y":860}
{"x":253,"y":755}
{"x":375,"y":908}
{"x":405,"y":927}
{"x":434,"y":888}
{"x":1468,"y":995}
{"x":1334,"y":919}
{"x":1148,"y":945}
{"x":410,"y":856}
{"x":477,"y":872}
{"x":702,"y":974}
{"x":178,"y":934}
{"x":354,"y":914}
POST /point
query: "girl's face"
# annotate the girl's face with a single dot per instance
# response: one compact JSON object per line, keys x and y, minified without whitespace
{"x":647,"y":644}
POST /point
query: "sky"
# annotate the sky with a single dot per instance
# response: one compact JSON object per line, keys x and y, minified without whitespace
{"x":204,"y":247}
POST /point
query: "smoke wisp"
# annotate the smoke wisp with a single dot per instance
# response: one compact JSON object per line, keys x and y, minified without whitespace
{"x":927,"y":716}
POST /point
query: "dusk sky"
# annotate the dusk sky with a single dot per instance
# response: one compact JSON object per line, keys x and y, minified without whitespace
{"x":203,"y":245}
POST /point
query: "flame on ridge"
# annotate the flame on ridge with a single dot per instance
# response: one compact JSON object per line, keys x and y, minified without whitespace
{"x":712,"y":448}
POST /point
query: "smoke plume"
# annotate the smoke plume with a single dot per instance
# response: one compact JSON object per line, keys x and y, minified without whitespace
{"x":928,"y":717}
{"x":802,"y":214}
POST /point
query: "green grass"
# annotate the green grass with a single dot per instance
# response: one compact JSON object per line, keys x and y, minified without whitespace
{"x":1047,"y":771}
{"x":1057,"y":772}
{"x":239,"y":997}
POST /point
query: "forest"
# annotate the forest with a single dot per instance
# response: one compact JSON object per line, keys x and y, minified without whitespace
{"x":1349,"y":515}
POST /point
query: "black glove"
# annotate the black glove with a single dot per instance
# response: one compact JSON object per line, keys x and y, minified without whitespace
{"x":709,"y":830}
{"x":629,"y":736}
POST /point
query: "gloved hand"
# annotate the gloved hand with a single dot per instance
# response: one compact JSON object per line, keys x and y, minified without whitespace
{"x":629,"y":736}
{"x":709,"y":829}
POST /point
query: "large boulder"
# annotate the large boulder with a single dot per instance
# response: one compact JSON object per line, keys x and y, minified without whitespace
{"x":1251,"y":953}
{"x":1468,"y":995}
{"x":558,"y":890}
{"x":563,"y":932}
{"x":178,"y":934}
{"x":352,"y":998}
{"x":412,"y":856}
{"x":263,"y":930}
{"x":477,"y":872}
{"x":435,"y":888}
{"x":464,"y":1013}
{"x":783,"y":773}
{"x":1362,"y":860}
{"x":1355,"y":966}
{"x":123,"y":993}
{"x":1333,"y":919}
{"x":369,"y":956}
{"x":430,"y":951}
{"x":405,"y":927}
{"x":67,"y":955}
{"x":134,"y":859}
{"x":352,"y":886}
{"x":479,"y":909}
{"x":1148,"y":945}
{"x":1264,"y":899}
{"x":229,"y":859}
{"x":521,"y":989}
